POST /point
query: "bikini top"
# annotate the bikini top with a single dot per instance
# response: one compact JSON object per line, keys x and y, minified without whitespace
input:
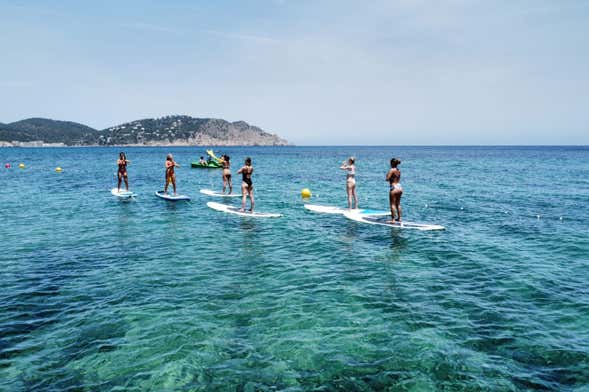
{"x":395,"y":176}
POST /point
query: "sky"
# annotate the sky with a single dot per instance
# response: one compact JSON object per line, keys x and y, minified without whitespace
{"x":404,"y":72}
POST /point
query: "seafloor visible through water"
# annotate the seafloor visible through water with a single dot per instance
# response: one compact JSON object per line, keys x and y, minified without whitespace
{"x":99,"y":294}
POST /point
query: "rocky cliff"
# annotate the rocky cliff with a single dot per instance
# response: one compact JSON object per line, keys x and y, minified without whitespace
{"x":164,"y":131}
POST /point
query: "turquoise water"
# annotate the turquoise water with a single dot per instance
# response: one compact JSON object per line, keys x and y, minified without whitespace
{"x":99,"y":294}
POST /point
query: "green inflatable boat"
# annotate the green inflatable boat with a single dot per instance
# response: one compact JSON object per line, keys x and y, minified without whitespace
{"x":209,"y":165}
{"x":214,"y":163}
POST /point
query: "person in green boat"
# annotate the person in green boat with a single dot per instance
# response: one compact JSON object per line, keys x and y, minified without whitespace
{"x":225,"y":162}
{"x":202,"y":161}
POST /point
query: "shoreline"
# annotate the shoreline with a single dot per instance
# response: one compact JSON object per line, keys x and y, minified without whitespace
{"x":62,"y":145}
{"x":8,"y":145}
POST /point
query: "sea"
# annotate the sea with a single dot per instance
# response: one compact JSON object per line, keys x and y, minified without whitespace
{"x":99,"y":294}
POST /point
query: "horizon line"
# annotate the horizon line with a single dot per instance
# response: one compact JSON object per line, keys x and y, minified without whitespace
{"x":312,"y":145}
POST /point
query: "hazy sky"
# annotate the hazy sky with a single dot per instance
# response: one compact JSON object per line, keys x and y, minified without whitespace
{"x":315,"y":72}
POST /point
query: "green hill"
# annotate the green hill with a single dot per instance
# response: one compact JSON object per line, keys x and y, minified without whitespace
{"x":47,"y":131}
{"x":186,"y":130}
{"x":164,"y":131}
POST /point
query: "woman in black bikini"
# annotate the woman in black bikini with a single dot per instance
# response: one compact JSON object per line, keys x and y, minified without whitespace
{"x":395,"y":190}
{"x":247,"y":187}
{"x":226,"y":173}
{"x":122,"y":174}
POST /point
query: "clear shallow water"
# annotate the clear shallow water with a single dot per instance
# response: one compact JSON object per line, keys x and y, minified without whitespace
{"x":99,"y":294}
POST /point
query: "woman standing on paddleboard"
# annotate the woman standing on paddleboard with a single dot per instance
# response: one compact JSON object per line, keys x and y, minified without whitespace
{"x":350,"y":168}
{"x":122,"y":173}
{"x":247,"y":187}
{"x":395,"y":190}
{"x":226,"y":173}
{"x":170,"y":175}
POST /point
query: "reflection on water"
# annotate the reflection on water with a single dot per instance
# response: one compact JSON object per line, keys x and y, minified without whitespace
{"x":398,"y":243}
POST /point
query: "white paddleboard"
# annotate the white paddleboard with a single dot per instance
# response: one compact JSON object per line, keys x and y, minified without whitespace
{"x":339,"y":210}
{"x":235,"y":210}
{"x":123,"y":194}
{"x":385,"y":221}
{"x":171,"y":197}
{"x":211,"y":192}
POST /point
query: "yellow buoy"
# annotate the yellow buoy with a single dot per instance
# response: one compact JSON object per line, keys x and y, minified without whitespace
{"x":21,"y":165}
{"x":58,"y":169}
{"x":306,"y":193}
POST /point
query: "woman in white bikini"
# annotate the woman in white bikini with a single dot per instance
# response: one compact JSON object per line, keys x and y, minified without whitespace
{"x":225,"y":161}
{"x":395,"y":190}
{"x":350,"y":168}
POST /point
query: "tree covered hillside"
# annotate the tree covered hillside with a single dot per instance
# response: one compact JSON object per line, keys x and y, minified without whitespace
{"x":48,"y":131}
{"x":169,"y":130}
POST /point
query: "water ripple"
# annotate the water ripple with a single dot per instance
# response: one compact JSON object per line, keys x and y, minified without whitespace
{"x":102,"y":295}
